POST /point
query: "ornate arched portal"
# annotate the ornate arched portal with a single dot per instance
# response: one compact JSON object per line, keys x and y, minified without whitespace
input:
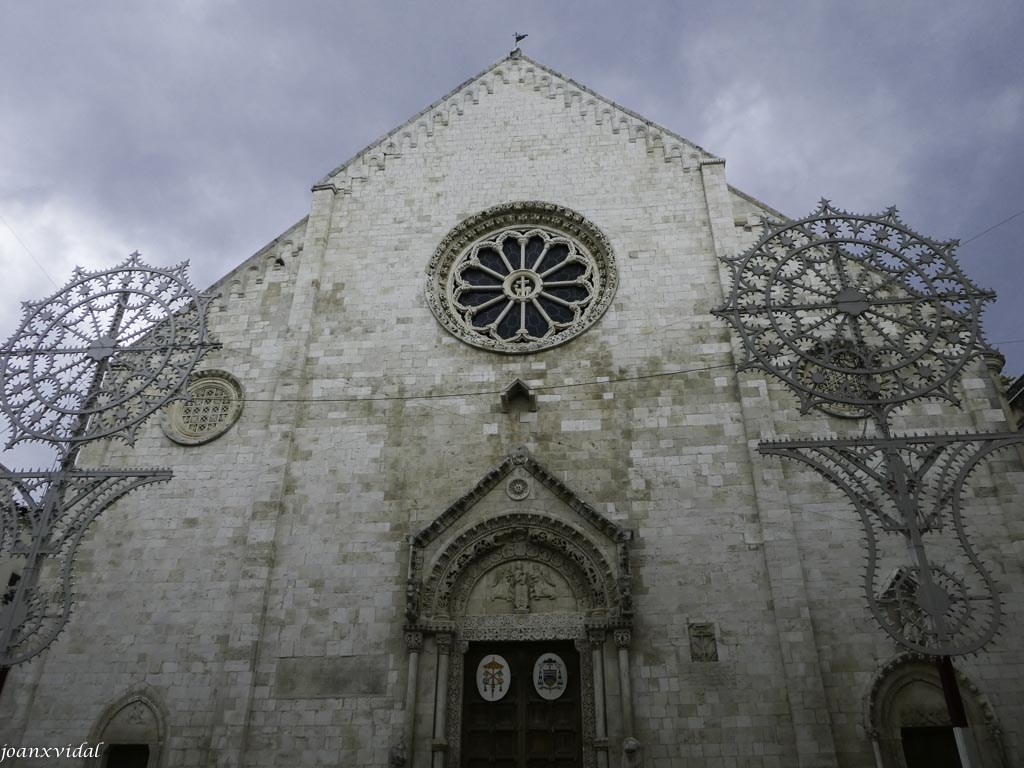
{"x":511,"y":569}
{"x":906,"y":708}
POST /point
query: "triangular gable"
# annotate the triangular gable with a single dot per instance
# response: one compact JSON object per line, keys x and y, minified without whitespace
{"x":520,"y":457}
{"x":548,"y":83}
{"x":445,"y":559}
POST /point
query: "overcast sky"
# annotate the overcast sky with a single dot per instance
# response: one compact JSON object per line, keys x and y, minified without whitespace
{"x":194,"y":130}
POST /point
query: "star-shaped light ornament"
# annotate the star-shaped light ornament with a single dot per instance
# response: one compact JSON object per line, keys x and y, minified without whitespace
{"x":101,"y":355}
{"x":857,"y":314}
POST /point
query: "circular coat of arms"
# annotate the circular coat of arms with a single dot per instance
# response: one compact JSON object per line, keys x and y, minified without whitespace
{"x":493,"y":677}
{"x":550,"y":676}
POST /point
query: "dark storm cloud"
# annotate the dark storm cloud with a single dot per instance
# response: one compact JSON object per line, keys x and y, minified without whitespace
{"x":195,"y":130}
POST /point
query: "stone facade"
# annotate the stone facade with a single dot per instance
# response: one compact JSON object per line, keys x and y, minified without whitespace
{"x":304,"y":589}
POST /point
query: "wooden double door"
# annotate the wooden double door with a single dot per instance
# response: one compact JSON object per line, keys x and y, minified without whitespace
{"x":528,"y":726}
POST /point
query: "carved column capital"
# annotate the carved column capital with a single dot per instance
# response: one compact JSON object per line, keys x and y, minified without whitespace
{"x":596,"y":636}
{"x":443,"y":640}
{"x":623,"y":637}
{"x":414,"y":642}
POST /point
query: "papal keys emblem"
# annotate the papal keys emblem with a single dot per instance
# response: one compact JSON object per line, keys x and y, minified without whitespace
{"x":492,"y":677}
{"x":550,"y":676}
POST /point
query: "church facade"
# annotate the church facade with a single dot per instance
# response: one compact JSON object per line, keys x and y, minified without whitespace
{"x":473,"y":481}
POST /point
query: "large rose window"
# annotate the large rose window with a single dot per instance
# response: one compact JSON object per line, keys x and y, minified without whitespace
{"x":523,"y":286}
{"x":521,"y":277}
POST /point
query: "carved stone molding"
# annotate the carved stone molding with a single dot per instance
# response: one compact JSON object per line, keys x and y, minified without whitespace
{"x":589,"y":707}
{"x":519,"y":456}
{"x":918,"y":666}
{"x":539,"y":626}
{"x":520,"y":536}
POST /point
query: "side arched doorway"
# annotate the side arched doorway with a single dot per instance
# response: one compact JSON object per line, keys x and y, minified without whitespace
{"x":131,"y":732}
{"x":909,"y":721}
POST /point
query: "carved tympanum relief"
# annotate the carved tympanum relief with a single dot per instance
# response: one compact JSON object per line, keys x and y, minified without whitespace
{"x":520,"y":587}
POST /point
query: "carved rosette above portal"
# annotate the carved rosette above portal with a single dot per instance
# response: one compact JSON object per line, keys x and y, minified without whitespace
{"x":518,"y":488}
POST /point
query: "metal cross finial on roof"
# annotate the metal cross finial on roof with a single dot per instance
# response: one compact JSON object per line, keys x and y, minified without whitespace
{"x":516,"y":52}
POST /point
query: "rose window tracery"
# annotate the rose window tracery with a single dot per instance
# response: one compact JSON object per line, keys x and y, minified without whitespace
{"x":521,"y":277}
{"x":213,"y":405}
{"x":523,"y":286}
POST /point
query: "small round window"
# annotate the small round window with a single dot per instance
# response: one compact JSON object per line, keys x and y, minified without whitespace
{"x":213,"y":406}
{"x":521,"y":277}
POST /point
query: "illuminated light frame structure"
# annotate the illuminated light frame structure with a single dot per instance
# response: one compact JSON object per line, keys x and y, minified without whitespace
{"x":858,"y":316}
{"x":93,"y":361}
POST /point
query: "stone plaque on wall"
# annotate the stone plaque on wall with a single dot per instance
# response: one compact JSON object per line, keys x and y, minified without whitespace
{"x":331,"y":677}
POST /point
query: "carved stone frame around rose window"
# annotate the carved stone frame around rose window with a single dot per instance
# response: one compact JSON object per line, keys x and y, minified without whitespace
{"x":554,"y":220}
